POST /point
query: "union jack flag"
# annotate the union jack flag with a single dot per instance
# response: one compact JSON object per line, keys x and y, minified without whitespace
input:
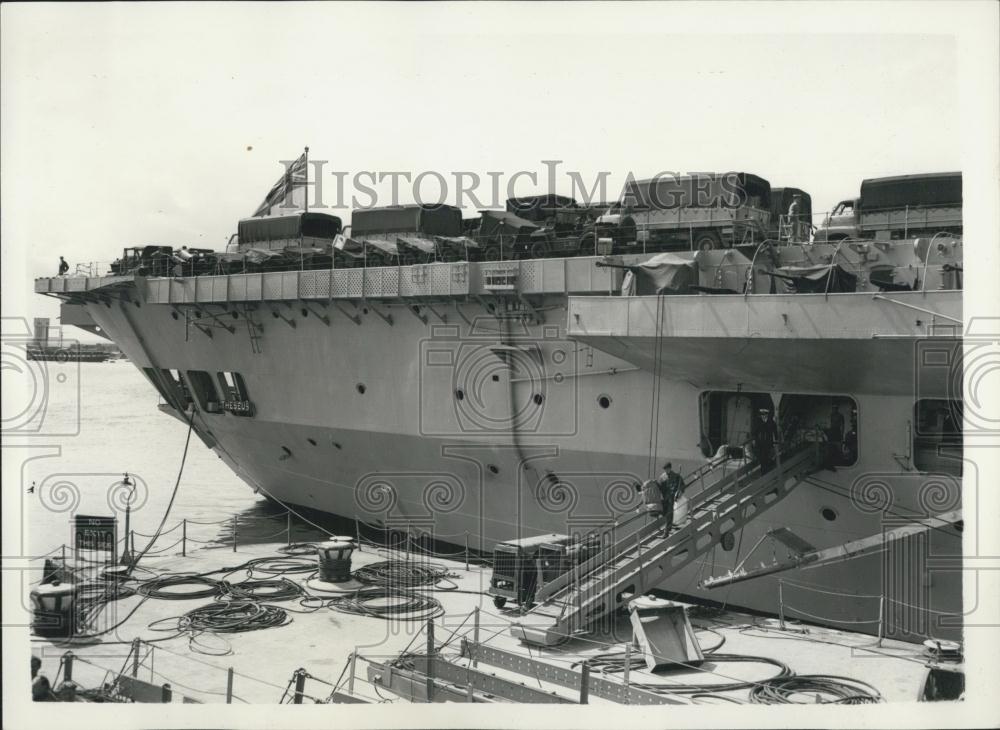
{"x":280,"y":194}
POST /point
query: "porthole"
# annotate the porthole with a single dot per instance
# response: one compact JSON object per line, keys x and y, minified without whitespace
{"x":312,"y":441}
{"x":336,"y":445}
{"x":364,"y":310}
{"x":460,"y":394}
{"x":274,"y":314}
{"x":361,"y":388}
{"x":538,"y":398}
{"x":305,"y":312}
{"x":828,"y":513}
{"x":604,"y":401}
{"x":496,"y":378}
{"x":728,"y":541}
{"x":174,"y":315}
{"x":493,"y":468}
{"x":236,"y":315}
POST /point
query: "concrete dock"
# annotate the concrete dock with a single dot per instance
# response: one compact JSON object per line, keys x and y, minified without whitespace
{"x":342,"y":653}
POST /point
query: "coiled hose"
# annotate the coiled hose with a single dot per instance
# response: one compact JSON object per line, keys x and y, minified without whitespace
{"x":815,"y":687}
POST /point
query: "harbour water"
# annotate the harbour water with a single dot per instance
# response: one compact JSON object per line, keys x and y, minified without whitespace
{"x":119,"y":429}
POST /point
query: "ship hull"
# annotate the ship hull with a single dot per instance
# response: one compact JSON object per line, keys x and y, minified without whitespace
{"x":364,"y":420}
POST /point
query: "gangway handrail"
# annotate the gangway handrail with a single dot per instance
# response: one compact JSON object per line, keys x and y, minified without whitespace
{"x":595,"y":562}
{"x":590,"y":595}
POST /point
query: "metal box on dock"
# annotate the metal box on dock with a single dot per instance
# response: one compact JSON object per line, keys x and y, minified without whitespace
{"x":515,"y":567}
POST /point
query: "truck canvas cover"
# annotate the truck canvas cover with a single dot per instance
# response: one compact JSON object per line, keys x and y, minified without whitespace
{"x":707,"y":190}
{"x":434,"y":220}
{"x":932,"y":190}
{"x":276,"y":228}
{"x":539,"y":208}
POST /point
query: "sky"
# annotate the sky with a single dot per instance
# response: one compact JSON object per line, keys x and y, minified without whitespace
{"x":128,"y":125}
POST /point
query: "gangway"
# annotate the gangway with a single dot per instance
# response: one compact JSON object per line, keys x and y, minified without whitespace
{"x":635,"y":558}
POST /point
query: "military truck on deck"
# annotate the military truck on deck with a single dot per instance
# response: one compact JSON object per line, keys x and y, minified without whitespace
{"x":904,"y":206}
{"x":692,"y":212}
{"x":412,"y":234}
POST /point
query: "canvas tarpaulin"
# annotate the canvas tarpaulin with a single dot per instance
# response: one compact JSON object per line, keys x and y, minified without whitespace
{"x":829,"y":278}
{"x":665,"y":273}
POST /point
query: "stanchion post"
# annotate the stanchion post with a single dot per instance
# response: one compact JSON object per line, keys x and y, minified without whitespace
{"x":229,"y":686}
{"x":236,"y":525}
{"x":585,"y":684}
{"x":64,"y":557}
{"x":430,"y":660}
{"x":781,"y":605}
{"x":131,"y":542}
{"x":357,"y":532}
{"x":68,"y":666}
{"x":628,"y":664}
{"x":354,"y":665}
{"x":288,"y":527}
{"x":135,"y":657}
{"x":300,"y":685}
{"x":881,"y":619}
{"x":475,"y":638}
{"x":466,"y":552}
{"x":184,"y":538}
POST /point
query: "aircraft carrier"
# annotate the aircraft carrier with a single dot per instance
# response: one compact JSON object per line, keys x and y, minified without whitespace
{"x":520,"y":374}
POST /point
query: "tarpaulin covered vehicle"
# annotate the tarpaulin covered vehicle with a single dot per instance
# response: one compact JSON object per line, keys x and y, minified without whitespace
{"x":422,"y":233}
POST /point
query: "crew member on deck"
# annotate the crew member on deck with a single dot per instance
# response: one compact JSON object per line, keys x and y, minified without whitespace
{"x":671,"y":486}
{"x":794,"y":210}
{"x":764,"y":432}
{"x":63,"y":267}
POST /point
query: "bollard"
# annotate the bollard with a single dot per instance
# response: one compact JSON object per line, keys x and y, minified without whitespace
{"x":131,"y":542}
{"x":466,"y":552}
{"x":300,"y":684}
{"x":184,"y":538}
{"x":430,"y":660}
{"x":236,"y":524}
{"x":229,"y":686}
{"x":167,"y":694}
{"x":64,"y":556}
{"x":354,"y":664}
{"x":584,"y":684}
{"x":288,"y":527}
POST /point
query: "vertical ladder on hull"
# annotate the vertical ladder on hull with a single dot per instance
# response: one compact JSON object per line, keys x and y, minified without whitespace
{"x":255,"y":329}
{"x":641,"y":558}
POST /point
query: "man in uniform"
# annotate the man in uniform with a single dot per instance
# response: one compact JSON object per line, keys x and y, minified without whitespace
{"x":794,"y":209}
{"x":764,"y":433}
{"x":835,"y":435}
{"x":63,"y":266}
{"x":671,"y":486}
